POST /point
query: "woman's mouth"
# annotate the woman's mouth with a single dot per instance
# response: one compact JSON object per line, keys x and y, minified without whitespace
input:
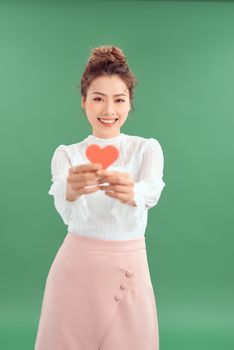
{"x":107,"y":122}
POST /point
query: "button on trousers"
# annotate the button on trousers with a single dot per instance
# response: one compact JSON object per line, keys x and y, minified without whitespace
{"x":98,"y":296}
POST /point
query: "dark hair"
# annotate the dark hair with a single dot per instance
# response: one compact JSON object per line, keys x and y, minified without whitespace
{"x":106,"y":61}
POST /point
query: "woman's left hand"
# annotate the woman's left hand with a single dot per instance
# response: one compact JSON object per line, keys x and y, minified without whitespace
{"x":120,"y":183}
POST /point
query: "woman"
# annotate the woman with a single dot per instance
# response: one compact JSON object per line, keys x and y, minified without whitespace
{"x":98,"y":293}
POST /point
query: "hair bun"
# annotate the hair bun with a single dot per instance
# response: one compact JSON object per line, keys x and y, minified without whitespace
{"x":107,"y":53}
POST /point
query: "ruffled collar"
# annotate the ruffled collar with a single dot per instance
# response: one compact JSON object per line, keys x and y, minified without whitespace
{"x":96,"y":139}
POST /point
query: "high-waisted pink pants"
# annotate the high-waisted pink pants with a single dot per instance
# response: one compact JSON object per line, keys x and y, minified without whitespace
{"x":98,"y":296}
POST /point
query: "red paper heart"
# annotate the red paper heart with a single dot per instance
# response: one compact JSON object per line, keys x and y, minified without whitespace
{"x":105,"y":156}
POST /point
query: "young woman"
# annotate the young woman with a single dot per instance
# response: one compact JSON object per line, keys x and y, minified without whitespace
{"x":98,"y":293}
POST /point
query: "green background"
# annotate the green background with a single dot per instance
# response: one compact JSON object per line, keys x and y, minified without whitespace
{"x":182,"y":53}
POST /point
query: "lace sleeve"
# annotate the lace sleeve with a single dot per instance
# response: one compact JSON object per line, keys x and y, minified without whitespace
{"x":59,"y":170}
{"x":147,"y":190}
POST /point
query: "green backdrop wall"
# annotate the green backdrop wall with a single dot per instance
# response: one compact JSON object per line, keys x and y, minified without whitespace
{"x":182,"y":54}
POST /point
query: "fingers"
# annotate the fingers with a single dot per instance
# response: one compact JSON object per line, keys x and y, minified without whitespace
{"x":81,"y":184}
{"x":114,"y":177}
{"x":86,"y":168}
{"x":83,"y":177}
{"x":92,"y":174}
{"x":104,"y":172}
{"x":84,"y":172}
{"x":87,"y":190}
{"x":119,"y":189}
{"x":114,"y":180}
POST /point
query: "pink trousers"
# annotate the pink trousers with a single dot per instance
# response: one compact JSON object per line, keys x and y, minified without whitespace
{"x":98,"y":296}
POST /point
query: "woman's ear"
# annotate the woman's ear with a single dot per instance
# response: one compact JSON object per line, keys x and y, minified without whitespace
{"x":82,"y":102}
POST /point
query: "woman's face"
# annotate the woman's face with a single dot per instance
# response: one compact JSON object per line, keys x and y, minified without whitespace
{"x":101,"y":102}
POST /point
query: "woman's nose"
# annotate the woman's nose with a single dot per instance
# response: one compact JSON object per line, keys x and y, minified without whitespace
{"x":109,"y":109}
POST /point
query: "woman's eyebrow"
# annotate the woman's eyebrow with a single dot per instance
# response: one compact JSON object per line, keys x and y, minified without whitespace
{"x":100,"y":93}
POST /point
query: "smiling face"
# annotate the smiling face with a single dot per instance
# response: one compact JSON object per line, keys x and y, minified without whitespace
{"x":107,"y":98}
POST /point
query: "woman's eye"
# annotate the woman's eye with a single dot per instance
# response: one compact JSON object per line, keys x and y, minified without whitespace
{"x":99,"y":98}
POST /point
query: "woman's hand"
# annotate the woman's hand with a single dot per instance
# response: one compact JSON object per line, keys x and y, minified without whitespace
{"x":120,"y":183}
{"x":81,"y":176}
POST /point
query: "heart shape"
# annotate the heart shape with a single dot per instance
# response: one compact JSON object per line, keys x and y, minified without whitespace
{"x":105,"y":156}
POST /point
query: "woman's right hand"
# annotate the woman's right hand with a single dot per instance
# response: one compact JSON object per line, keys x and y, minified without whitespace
{"x":81,"y":176}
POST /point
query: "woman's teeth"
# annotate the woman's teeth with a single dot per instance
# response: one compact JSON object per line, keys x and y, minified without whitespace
{"x":104,"y":121}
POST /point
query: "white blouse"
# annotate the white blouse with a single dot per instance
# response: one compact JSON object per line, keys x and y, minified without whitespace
{"x":96,"y":214}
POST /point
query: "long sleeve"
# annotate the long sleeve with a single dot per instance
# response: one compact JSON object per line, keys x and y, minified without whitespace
{"x":60,"y":165}
{"x":147,"y":190}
